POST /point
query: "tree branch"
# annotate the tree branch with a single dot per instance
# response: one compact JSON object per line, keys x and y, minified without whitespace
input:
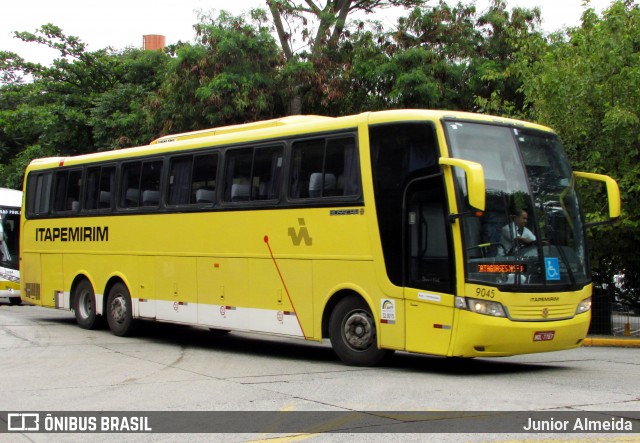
{"x":343,"y":7}
{"x":282,"y":35}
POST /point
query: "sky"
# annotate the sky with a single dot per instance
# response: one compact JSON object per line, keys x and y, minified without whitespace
{"x":122,"y":23}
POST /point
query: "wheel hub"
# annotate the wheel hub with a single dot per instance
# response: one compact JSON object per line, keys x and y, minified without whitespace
{"x":118,"y":310}
{"x":85,"y":305}
{"x":358,"y":331}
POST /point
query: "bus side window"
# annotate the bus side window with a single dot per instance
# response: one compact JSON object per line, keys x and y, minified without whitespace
{"x":91,"y":188}
{"x":238,"y":170}
{"x":180,"y":180}
{"x":99,"y":187}
{"x":308,"y":158}
{"x":130,"y":185}
{"x":267,"y":167}
{"x":253,"y":174}
{"x":39,"y":194}
{"x":203,"y":181}
{"x":140,"y":181}
{"x":150,"y":182}
{"x":66,"y":195}
{"x":325,"y":168}
{"x":341,"y":159}
{"x":107,"y":187}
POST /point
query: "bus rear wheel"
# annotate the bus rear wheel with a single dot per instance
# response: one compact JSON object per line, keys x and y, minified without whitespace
{"x":119,"y":311}
{"x":352,"y":331}
{"x":84,"y":306}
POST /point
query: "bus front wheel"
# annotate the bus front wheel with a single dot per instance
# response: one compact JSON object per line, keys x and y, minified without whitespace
{"x":352,"y":331}
{"x":119,"y":311}
{"x":84,"y":306}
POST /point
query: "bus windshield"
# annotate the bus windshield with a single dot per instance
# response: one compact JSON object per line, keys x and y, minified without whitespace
{"x":9,"y":236}
{"x":531,"y":233}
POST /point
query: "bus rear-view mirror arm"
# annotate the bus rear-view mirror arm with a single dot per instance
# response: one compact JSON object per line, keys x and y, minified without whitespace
{"x":613,"y":194}
{"x":475,"y":184}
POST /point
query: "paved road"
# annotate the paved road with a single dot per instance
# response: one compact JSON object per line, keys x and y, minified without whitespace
{"x":48,"y":363}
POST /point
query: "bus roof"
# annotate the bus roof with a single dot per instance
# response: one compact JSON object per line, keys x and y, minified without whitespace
{"x":240,"y":128}
{"x":10,"y":197}
{"x":274,"y":128}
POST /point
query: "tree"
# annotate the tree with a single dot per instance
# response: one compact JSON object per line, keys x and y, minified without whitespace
{"x":85,"y":101}
{"x":123,"y":115}
{"x":435,"y":47}
{"x":496,"y":87}
{"x":445,"y":57}
{"x":296,"y":18}
{"x":228,"y":77}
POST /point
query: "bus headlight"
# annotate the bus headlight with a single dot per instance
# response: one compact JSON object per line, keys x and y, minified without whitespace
{"x":584,"y":306}
{"x":478,"y":306}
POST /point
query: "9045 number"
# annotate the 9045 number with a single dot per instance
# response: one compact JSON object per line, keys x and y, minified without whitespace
{"x":485,"y":292}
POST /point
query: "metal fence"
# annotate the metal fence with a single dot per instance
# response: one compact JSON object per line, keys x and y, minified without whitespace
{"x":609,"y":317}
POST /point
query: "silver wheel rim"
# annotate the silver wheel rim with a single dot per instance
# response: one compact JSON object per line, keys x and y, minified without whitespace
{"x":119,"y":309}
{"x":85,"y":306}
{"x":358,"y":330}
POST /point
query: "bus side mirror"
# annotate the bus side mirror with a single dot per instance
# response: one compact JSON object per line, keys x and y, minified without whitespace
{"x":475,"y":180}
{"x":613,"y":192}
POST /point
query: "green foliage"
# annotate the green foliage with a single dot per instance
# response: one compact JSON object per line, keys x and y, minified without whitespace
{"x":123,"y":115}
{"x":228,"y":77}
{"x":445,"y":57}
{"x":84,"y":101}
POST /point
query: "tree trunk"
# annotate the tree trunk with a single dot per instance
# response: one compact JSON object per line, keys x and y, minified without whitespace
{"x":295,"y":102}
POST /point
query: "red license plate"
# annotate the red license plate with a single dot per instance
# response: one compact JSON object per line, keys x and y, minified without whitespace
{"x":544,"y":335}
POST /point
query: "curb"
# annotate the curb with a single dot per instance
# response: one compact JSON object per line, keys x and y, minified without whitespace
{"x":612,"y":342}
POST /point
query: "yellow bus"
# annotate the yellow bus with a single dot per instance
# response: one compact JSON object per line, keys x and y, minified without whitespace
{"x":10,"y":206}
{"x":380,"y":231}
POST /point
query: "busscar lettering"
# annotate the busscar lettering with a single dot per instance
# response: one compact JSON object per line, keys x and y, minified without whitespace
{"x":75,"y":234}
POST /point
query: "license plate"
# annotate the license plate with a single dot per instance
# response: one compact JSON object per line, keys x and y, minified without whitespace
{"x":544,"y":335}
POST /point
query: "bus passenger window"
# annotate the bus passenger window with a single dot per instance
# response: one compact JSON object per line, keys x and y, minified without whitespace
{"x":99,"y":187}
{"x":325,"y":168}
{"x":238,"y":169}
{"x":341,"y":159}
{"x":140,"y":180}
{"x":253,"y":174}
{"x":180,"y":180}
{"x":203,"y":181}
{"x":130,"y":185}
{"x":67,"y":190}
{"x":267,"y":167}
{"x":39,"y":193}
{"x":307,"y":159}
{"x":150,"y":182}
{"x":192,"y":179}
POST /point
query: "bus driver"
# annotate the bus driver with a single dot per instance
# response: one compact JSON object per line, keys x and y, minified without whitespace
{"x":516,"y":235}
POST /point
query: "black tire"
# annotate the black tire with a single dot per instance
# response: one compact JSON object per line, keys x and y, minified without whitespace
{"x":84,"y":306}
{"x":15,"y":300}
{"x":119,"y":311}
{"x":353,"y":334}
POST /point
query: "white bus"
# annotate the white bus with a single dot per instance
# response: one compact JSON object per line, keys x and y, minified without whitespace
{"x":10,"y":204}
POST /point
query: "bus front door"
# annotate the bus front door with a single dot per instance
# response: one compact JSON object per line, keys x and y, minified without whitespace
{"x":428,"y":267}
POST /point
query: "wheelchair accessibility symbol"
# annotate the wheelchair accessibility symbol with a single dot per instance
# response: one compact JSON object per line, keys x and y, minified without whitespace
{"x":552,"y":268}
